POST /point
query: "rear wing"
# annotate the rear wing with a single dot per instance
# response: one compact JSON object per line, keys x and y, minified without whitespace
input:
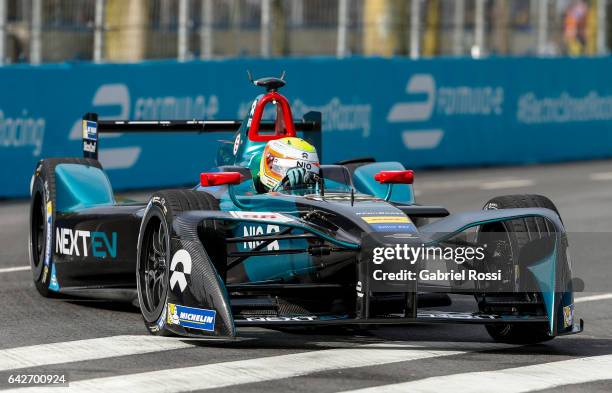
{"x":311,"y":122}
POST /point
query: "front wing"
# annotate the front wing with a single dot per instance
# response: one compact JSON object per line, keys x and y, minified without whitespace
{"x":208,"y":290}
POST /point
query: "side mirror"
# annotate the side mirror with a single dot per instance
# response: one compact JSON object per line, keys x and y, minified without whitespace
{"x":395,"y":177}
{"x":220,"y":178}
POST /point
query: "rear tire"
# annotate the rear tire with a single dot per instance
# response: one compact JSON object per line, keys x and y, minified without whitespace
{"x":154,"y":251}
{"x":518,"y":233}
{"x":42,"y":219}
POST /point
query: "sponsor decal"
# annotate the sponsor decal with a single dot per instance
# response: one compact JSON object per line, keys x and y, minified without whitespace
{"x":160,"y":201}
{"x":386,"y":219}
{"x":252,"y":112}
{"x":342,"y":196}
{"x":491,"y":206}
{"x":359,"y":289}
{"x":568,"y":316}
{"x":302,"y":318}
{"x":47,"y":194}
{"x":53,"y":283}
{"x":90,"y":130}
{"x":236,"y":144}
{"x":258,"y":230}
{"x":76,"y":242}
{"x":183,"y":259}
{"x":45,"y":274}
{"x":368,"y":212}
{"x":89,"y":147}
{"x":393,"y":227}
{"x":48,"y":236}
{"x":264,"y":216}
{"x":191,"y":317}
{"x":160,"y":322}
{"x":401,"y":236}
{"x":281,"y":165}
{"x":308,"y":166}
{"x":455,"y":315}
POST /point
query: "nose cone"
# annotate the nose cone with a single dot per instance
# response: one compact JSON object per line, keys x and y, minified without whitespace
{"x":388,"y":262}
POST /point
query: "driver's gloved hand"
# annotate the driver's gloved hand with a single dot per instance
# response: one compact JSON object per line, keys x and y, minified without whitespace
{"x":295,"y":176}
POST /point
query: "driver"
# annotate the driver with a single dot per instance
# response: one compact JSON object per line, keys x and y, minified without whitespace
{"x":287,"y":163}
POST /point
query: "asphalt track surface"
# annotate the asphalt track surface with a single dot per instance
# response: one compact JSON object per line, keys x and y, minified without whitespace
{"x":104,"y":347}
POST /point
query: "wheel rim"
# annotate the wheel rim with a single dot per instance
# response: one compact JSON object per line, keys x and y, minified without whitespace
{"x":154,"y":266}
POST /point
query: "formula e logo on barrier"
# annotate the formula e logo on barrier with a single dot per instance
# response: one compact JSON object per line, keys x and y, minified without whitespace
{"x":183,"y":259}
{"x":427,"y":99}
{"x":78,"y":243}
{"x":403,"y":112}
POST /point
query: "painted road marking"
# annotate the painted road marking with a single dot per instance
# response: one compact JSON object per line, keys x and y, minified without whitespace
{"x":510,"y":380}
{"x":593,"y":298}
{"x":503,"y":184}
{"x":81,"y":350}
{"x":601,"y":176}
{"x":14,"y":269}
{"x":263,"y":369}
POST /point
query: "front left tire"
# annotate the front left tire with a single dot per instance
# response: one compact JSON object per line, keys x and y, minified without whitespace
{"x":154,"y":251}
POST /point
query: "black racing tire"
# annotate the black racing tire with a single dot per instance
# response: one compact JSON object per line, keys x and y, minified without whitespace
{"x":519,"y":233}
{"x":42,"y":218}
{"x":154,"y":251}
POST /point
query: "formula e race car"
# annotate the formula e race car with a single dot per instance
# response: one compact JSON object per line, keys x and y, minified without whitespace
{"x":350,"y":248}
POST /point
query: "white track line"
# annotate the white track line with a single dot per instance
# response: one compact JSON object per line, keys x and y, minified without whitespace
{"x":261,"y":369}
{"x":504,"y":184}
{"x":14,"y":269}
{"x":81,"y":350}
{"x":604,"y":296}
{"x":601,"y":176}
{"x":510,"y":380}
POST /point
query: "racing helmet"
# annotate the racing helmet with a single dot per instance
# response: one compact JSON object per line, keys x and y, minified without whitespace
{"x":280,"y":155}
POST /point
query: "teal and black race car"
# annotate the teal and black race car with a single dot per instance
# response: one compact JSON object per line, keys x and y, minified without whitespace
{"x":340,"y":250}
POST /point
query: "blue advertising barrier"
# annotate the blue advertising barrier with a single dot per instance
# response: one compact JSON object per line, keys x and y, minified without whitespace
{"x":426,"y":113}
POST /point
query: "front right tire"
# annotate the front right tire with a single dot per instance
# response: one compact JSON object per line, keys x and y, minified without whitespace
{"x":516,"y":234}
